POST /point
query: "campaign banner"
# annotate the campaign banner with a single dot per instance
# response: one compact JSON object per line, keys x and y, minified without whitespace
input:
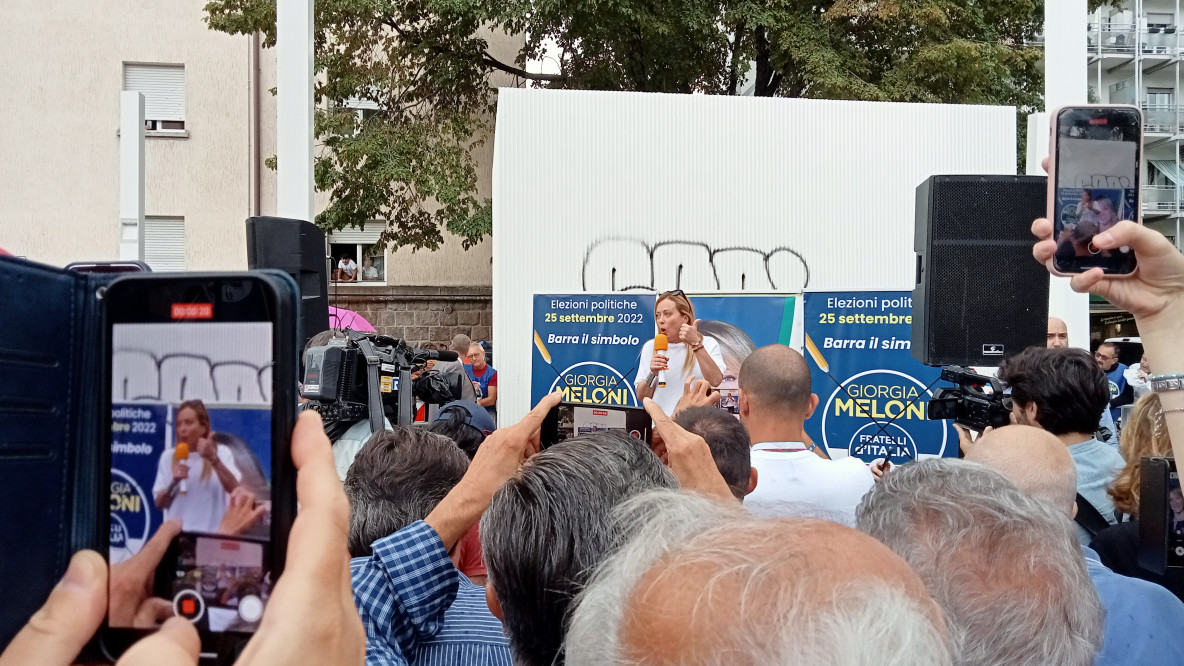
{"x":873,"y":395}
{"x":740,"y":323}
{"x":588,"y":345}
{"x":138,"y":438}
{"x":140,"y":434}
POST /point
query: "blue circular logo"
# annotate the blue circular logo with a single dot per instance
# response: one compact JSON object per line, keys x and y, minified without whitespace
{"x":881,"y":414}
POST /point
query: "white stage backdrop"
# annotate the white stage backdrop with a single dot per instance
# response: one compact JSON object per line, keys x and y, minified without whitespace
{"x":730,"y":194}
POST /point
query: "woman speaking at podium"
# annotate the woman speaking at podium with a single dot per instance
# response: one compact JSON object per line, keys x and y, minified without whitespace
{"x":689,"y":353}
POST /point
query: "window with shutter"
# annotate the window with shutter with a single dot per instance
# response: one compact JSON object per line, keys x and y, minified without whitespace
{"x":164,"y":243}
{"x":356,"y":256}
{"x":163,"y":87}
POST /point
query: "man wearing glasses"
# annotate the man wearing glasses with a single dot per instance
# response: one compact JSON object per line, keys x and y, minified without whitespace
{"x":1120,"y":392}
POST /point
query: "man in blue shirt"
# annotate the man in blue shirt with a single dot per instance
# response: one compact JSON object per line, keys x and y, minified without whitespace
{"x":439,"y":616}
{"x":1144,"y":621}
{"x":1120,"y":394}
{"x":547,"y":524}
{"x":1064,"y":392}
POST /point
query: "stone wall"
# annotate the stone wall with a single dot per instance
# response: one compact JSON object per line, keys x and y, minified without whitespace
{"x":423,"y":316}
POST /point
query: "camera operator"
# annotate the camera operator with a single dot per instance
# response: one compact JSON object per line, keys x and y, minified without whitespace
{"x":1064,"y":392}
{"x":347,"y":444}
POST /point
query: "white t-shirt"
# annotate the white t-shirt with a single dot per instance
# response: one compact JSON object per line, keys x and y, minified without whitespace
{"x":785,"y":478}
{"x":348,"y":266}
{"x":669,"y":396}
{"x":202,"y":506}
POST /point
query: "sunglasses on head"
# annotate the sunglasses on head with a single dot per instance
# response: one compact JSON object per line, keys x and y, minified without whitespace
{"x":672,"y":292}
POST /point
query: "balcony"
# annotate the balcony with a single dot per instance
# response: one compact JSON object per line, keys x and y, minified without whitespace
{"x":1161,"y":118}
{"x":1113,"y":38}
{"x":1160,"y":198}
{"x":1160,"y":40}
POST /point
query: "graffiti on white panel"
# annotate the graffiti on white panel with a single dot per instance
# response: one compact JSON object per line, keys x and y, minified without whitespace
{"x":178,"y":377}
{"x":628,"y":264}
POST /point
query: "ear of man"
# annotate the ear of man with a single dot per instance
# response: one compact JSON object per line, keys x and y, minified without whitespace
{"x":812,"y":405}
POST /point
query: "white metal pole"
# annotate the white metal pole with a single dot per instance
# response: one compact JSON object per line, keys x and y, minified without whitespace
{"x":294,"y":103}
{"x":1066,"y":83}
{"x":131,"y":175}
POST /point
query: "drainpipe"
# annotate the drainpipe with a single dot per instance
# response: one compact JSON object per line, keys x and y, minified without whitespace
{"x":253,"y":132}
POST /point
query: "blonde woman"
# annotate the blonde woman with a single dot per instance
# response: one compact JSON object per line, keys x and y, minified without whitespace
{"x":1118,"y":546}
{"x":690,"y":353}
{"x":195,"y":489}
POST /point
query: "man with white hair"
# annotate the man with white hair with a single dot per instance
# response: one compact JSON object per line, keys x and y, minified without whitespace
{"x":1005,"y":568}
{"x":704,"y":582}
{"x":1144,"y":622}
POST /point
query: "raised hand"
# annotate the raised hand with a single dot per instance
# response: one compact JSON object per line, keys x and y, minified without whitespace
{"x":689,"y":333}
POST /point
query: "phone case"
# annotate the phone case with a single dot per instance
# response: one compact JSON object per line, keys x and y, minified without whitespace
{"x":50,"y":447}
{"x":1052,"y":176}
{"x":52,"y":454}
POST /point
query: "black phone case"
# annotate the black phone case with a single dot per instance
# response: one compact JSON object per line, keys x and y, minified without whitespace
{"x":53,"y":459}
{"x":50,"y":446}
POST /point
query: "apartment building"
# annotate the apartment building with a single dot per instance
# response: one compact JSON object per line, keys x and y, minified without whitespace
{"x":1134,"y":56}
{"x":211,"y":124}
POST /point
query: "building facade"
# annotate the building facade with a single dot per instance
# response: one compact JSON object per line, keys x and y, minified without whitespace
{"x":211,"y":124}
{"x":1134,"y":56}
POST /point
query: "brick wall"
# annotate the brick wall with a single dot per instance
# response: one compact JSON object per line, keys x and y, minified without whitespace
{"x":423,"y":316}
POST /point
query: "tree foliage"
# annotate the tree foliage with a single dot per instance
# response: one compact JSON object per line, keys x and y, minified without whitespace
{"x":426,"y":64}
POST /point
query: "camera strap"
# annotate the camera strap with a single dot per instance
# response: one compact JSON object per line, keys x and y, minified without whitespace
{"x":374,"y":398}
{"x":1089,"y":517}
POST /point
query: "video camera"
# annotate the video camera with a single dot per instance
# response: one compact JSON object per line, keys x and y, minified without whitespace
{"x":360,"y":376}
{"x":975,"y":401}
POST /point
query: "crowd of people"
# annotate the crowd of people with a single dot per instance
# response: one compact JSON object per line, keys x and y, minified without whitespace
{"x":726,"y":541}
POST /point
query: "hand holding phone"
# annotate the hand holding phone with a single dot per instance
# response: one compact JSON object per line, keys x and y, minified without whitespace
{"x":313,"y":619}
{"x":1093,"y":184}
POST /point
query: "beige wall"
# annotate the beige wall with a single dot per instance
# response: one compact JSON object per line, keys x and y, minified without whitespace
{"x":59,"y":170}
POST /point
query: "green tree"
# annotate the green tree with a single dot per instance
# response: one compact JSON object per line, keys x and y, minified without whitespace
{"x":426,"y":65}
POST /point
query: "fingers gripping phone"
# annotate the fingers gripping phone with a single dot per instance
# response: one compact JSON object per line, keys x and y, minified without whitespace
{"x":200,"y":495}
{"x":1093,"y":183}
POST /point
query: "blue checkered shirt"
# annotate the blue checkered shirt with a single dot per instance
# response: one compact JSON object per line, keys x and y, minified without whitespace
{"x":418,"y":609}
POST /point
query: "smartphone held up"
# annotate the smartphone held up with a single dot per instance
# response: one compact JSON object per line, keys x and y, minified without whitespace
{"x":201,"y":393}
{"x":1093,"y":183}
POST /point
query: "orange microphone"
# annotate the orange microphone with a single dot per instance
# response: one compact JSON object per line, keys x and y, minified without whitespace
{"x":182,"y":455}
{"x":661,"y":344}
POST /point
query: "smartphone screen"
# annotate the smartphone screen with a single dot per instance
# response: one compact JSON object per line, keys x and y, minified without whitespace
{"x":1096,"y":185}
{"x":567,"y":420}
{"x":220,"y":583}
{"x":198,"y":405}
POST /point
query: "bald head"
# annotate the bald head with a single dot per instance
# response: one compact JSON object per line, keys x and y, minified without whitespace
{"x":724,"y":583}
{"x":1058,"y":333}
{"x":1034,"y":460}
{"x":776,"y":378}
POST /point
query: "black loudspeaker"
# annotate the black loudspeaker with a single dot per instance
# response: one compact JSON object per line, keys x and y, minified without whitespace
{"x":296,"y":247}
{"x":980,"y":295}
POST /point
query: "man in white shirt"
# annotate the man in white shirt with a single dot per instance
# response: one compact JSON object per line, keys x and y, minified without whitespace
{"x":347,"y":269}
{"x":775,"y":401}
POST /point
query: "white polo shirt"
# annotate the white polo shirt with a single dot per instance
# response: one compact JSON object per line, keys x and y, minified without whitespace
{"x":788,"y":474}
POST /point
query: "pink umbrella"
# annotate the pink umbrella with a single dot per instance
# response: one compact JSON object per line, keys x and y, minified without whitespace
{"x":342,"y":318}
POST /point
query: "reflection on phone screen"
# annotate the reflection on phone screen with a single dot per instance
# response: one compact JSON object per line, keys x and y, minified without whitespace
{"x":191,"y":441}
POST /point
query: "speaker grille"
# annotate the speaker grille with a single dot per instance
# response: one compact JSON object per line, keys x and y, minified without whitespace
{"x":981,"y":295}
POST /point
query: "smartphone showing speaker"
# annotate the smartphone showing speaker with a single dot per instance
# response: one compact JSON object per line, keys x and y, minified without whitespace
{"x":1093,"y":183}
